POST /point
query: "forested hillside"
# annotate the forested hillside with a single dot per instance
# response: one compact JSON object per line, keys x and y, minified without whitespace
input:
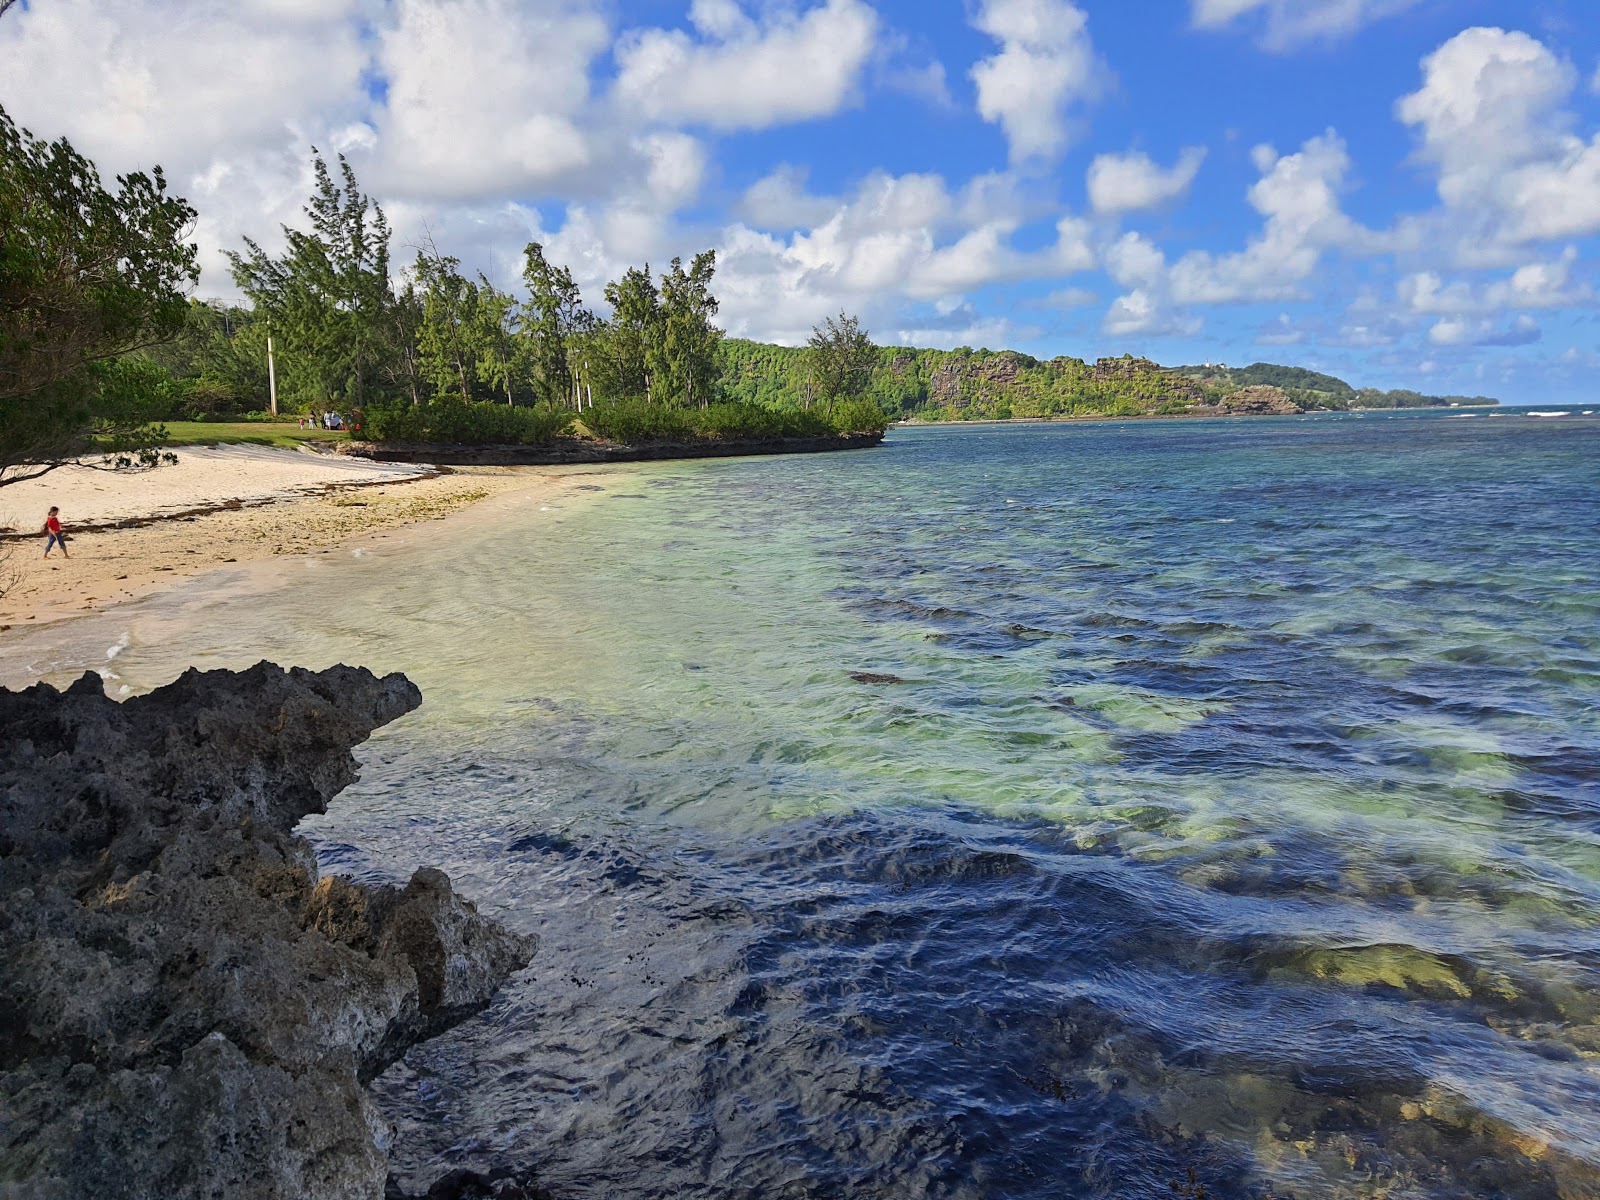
{"x":1312,"y":389}
{"x":967,"y":384}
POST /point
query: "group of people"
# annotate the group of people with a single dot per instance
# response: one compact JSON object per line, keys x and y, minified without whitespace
{"x":329,"y":420}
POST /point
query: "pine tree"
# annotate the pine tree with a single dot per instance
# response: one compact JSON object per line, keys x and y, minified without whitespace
{"x":328,"y":298}
{"x":683,"y":357}
{"x":553,"y":314}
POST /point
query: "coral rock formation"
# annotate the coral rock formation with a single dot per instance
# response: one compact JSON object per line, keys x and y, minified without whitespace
{"x":186,"y":1010}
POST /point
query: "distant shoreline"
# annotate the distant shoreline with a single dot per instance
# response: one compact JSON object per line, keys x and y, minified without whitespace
{"x":1193,"y":416}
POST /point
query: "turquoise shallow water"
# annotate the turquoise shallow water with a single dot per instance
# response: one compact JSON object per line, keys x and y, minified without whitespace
{"x":1007,"y":811}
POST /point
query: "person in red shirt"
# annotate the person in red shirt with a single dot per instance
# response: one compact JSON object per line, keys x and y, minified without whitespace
{"x":52,"y":526}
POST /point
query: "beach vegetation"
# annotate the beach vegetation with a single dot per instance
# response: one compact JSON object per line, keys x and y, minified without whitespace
{"x":328,"y":300}
{"x":452,"y":419}
{"x":841,"y":361}
{"x":88,"y":275}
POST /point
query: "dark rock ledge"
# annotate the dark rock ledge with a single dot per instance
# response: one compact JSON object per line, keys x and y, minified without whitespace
{"x":568,"y":451}
{"x":186,"y":1010}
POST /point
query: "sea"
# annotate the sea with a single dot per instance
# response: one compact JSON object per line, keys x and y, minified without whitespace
{"x":1106,"y":809}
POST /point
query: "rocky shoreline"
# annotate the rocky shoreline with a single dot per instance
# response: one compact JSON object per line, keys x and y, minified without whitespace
{"x":574,"y":452}
{"x":186,"y":1008}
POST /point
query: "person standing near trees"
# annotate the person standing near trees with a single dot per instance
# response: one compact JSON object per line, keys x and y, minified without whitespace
{"x":54,"y":537}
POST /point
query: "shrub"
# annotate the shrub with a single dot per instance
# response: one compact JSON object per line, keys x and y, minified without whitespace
{"x":859,"y":416}
{"x":454,"y":421}
{"x":632,"y":421}
{"x":722,"y":421}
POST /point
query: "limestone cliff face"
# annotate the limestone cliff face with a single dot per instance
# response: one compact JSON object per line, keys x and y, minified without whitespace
{"x":989,"y":382}
{"x":186,"y":1010}
{"x":1260,"y":400}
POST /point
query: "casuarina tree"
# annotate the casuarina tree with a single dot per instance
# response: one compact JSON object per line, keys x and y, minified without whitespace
{"x":842,"y":357}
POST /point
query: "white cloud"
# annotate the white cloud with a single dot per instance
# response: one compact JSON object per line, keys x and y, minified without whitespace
{"x":227,"y":97}
{"x":897,"y":240}
{"x":1140,"y":313}
{"x":1538,"y":284}
{"x":723,"y":20}
{"x":1299,"y":196}
{"x":1368,"y":335}
{"x":1072,"y":297}
{"x":779,"y":200}
{"x":1280,"y":331}
{"x":792,"y":67}
{"x":928,"y":83}
{"x":1046,"y":66}
{"x":1129,"y":182}
{"x":485,"y":96}
{"x":1491,"y":117}
{"x":1461,"y":331}
{"x":147,"y":81}
{"x":1288,"y":23}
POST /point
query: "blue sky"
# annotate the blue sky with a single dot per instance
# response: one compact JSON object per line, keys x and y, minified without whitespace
{"x":1404,"y":192}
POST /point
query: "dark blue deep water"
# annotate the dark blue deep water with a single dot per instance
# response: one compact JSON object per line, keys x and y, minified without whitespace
{"x":1100,"y":810}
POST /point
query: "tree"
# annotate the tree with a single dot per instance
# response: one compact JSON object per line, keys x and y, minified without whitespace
{"x":553,"y":314}
{"x":493,"y":337}
{"x":683,"y":358}
{"x":85,"y":277}
{"x":218,"y":359}
{"x":328,"y":297}
{"x":623,"y":345}
{"x":446,"y":354}
{"x":842,"y":357}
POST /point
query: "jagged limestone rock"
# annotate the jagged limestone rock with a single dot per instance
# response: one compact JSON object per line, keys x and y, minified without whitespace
{"x":186,"y":1010}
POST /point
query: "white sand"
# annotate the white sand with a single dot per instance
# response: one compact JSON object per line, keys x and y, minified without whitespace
{"x":204,"y":476}
{"x":223,"y":505}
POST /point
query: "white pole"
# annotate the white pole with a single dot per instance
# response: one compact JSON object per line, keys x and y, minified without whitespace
{"x":272,"y":376}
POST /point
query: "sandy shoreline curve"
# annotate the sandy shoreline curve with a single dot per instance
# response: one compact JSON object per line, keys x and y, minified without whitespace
{"x":131,"y":535}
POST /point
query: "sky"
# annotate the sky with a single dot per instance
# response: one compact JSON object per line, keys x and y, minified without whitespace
{"x":1405,"y":193}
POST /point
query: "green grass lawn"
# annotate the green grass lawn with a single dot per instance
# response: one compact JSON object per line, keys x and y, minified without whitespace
{"x":246,"y":433}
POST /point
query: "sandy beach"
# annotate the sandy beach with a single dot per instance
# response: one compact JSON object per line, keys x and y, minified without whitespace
{"x":131,"y":534}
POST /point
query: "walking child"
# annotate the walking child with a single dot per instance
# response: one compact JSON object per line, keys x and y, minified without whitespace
{"x":52,"y":527}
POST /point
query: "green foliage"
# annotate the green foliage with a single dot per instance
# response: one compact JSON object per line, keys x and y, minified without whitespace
{"x":861,"y":415}
{"x":328,"y":300}
{"x":842,"y":358}
{"x":86,"y":276}
{"x":682,"y":357}
{"x":447,"y":358}
{"x":453,"y":420}
{"x":552,"y":319}
{"x":964,"y":384}
{"x":1313,"y":389}
{"x":631,"y":422}
{"x":621,"y":356}
{"x":219,"y":359}
{"x":132,"y":396}
{"x":634,"y":422}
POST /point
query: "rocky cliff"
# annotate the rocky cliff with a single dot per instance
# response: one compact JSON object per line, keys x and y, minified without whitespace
{"x":186,"y":1009}
{"x":1260,"y":400}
